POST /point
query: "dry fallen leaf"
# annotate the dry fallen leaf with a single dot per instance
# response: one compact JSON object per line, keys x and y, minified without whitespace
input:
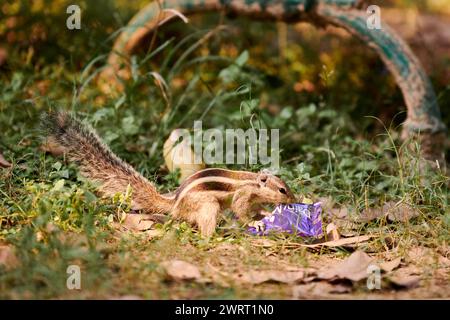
{"x":318,"y":289}
{"x":137,"y":222}
{"x":257,"y":277}
{"x":332,"y":232}
{"x":180,"y":270}
{"x":7,"y":256}
{"x":405,"y":281}
{"x":353,"y":268}
{"x":390,"y":265}
{"x":3,"y":162}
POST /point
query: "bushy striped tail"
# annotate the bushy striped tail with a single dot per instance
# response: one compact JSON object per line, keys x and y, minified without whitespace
{"x":98,"y":163}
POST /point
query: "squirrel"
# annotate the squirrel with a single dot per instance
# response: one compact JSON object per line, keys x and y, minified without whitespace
{"x":200,"y":199}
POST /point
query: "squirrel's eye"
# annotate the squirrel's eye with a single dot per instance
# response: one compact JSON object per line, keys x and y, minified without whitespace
{"x":282,"y":190}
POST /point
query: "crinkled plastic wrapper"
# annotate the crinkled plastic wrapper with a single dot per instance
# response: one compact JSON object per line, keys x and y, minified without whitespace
{"x":302,"y":219}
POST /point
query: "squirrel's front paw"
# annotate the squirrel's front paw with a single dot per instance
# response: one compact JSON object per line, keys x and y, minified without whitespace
{"x":258,"y":225}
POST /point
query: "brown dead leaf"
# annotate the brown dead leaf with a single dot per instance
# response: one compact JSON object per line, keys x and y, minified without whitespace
{"x":405,"y":281}
{"x":137,"y":222}
{"x":353,"y":268}
{"x":282,"y":276}
{"x":8,"y":257}
{"x":410,"y":269}
{"x":390,"y":265}
{"x":3,"y":162}
{"x":319,"y":289}
{"x":332,"y":232}
{"x":180,"y":270}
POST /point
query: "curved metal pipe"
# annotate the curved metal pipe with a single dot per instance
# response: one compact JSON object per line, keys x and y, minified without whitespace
{"x":423,"y":114}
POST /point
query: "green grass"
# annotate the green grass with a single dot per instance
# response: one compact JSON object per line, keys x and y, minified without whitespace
{"x":330,"y":149}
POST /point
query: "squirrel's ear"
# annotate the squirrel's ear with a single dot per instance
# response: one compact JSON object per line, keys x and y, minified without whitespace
{"x":262,"y":179}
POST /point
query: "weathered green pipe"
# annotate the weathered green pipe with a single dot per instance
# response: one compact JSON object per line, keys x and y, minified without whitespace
{"x":423,"y":111}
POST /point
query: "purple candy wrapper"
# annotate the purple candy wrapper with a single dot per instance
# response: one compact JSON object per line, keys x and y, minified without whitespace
{"x":303,"y":219}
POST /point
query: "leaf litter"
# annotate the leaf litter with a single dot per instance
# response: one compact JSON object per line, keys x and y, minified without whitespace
{"x":333,"y":278}
{"x":3,"y":162}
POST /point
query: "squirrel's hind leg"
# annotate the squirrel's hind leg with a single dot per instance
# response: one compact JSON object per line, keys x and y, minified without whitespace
{"x":206,"y":218}
{"x":200,"y":210}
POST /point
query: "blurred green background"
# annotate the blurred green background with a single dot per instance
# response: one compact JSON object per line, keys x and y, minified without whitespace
{"x":306,"y":63}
